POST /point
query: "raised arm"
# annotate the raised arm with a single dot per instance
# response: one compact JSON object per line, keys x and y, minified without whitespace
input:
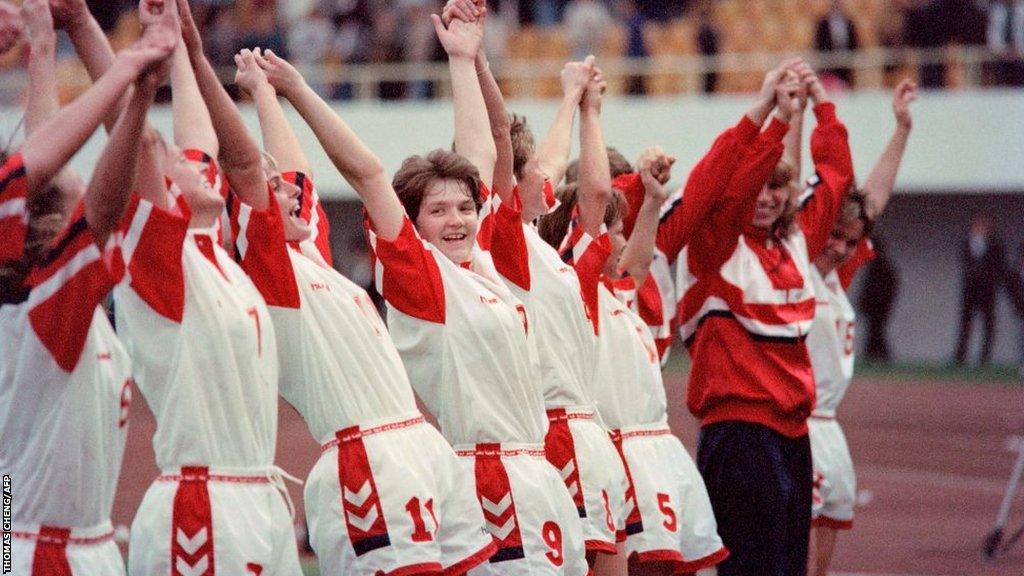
{"x":461,"y":40}
{"x":553,"y":151}
{"x":278,"y":137}
{"x":48,"y":148}
{"x":595,"y":183}
{"x":193,"y":128}
{"x":879,"y":185}
{"x":43,"y":102}
{"x":793,"y":143}
{"x":111,"y":185}
{"x":239,"y":155}
{"x":497,"y":115}
{"x":358,"y":164}
{"x":90,"y":43}
{"x":639,"y":251}
{"x":833,"y":166}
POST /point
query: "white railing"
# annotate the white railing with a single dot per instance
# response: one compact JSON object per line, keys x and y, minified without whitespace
{"x":528,"y":76}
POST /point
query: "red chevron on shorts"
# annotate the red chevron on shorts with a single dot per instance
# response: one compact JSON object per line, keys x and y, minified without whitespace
{"x":495,"y":494}
{"x":561,"y":453}
{"x":364,"y":515}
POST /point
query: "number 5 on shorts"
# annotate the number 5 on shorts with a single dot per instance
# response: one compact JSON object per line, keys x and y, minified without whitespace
{"x":666,"y":509}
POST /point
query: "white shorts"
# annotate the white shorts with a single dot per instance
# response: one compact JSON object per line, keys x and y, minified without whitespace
{"x":53,"y":551}
{"x":527,"y":510}
{"x":227,"y":521}
{"x":586,"y":459}
{"x":835,"y":485}
{"x":672,"y":520}
{"x":407,"y":506}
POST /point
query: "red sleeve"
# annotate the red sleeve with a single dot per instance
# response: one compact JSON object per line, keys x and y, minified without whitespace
{"x":687,"y":209}
{"x":588,"y":256}
{"x":13,"y":212}
{"x":632,"y":188}
{"x":864,"y":253}
{"x":833,"y":165}
{"x":66,"y":287}
{"x":153,"y":238}
{"x":485,"y":231}
{"x":755,"y":168}
{"x":263,"y":252}
{"x":508,"y":242}
{"x":313,"y":212}
{"x":407,"y":275}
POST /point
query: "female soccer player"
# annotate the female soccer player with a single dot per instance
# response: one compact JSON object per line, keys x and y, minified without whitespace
{"x":669,"y":527}
{"x":387,"y":494}
{"x":201,"y":339}
{"x":64,"y":382}
{"x":575,"y":444}
{"x":462,"y":335}
{"x":747,"y":304}
{"x":830,"y":340}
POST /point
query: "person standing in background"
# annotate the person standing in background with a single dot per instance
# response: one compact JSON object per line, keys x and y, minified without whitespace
{"x":836,"y":33}
{"x":707,"y":44}
{"x":881,"y":285}
{"x":984,"y":270}
{"x":1005,"y":38}
{"x":1015,"y":290}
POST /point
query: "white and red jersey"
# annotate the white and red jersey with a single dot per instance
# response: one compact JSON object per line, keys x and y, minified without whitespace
{"x":463,"y":338}
{"x":831,"y":339}
{"x":550,"y":290}
{"x":749,"y":288}
{"x":830,"y":342}
{"x":627,"y":385}
{"x":656,"y":298}
{"x":339,"y":367}
{"x":201,"y":339}
{"x":64,"y":386}
{"x":13,"y":212}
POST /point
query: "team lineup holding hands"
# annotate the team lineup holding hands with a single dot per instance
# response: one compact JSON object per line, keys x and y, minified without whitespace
{"x":530,"y":305}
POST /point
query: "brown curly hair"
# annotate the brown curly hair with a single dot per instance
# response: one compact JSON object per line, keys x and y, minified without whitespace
{"x":45,"y":221}
{"x":418,"y":172}
{"x":617,"y":163}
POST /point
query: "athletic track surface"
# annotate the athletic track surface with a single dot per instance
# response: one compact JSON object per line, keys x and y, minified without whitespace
{"x":932,"y":459}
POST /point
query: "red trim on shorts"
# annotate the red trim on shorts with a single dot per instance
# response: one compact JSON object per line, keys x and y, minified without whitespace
{"x":825,"y":418}
{"x":417,"y":569}
{"x":193,"y":476}
{"x":826,"y":522}
{"x":496,"y":450}
{"x":192,"y":523}
{"x":470,"y":562}
{"x":50,"y":557}
{"x":673,"y":556}
{"x":705,"y":562}
{"x":601,"y":546}
{"x":354,"y":433}
{"x":71,"y":541}
{"x":644,"y":433}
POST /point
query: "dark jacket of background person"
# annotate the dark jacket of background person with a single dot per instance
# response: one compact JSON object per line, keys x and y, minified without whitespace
{"x":877,"y":298}
{"x":983,"y":275}
{"x":824,"y":41}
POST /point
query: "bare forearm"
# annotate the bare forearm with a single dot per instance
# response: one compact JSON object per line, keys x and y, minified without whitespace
{"x":110,"y":186}
{"x":882,"y":180}
{"x":497,"y":115}
{"x":49,"y":147}
{"x":94,"y":51}
{"x":239,"y":154}
{"x":639,"y":251}
{"x":472,"y":127}
{"x":149,"y":176}
{"x":793,"y":144}
{"x":193,"y":127}
{"x":278,"y":137}
{"x":553,"y":152}
{"x":43,"y":102}
{"x":595,"y":175}
{"x":358,"y":164}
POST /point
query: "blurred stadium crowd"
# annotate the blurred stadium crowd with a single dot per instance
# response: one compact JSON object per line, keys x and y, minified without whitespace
{"x":875,"y":41}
